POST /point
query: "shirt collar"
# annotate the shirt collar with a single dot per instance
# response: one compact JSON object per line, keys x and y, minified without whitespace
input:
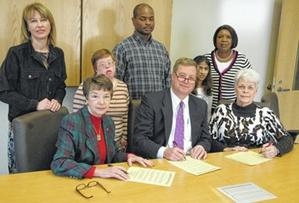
{"x":139,"y":38}
{"x":176,"y":101}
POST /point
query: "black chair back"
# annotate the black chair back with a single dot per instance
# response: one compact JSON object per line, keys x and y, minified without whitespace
{"x":35,"y":136}
{"x":133,"y":106}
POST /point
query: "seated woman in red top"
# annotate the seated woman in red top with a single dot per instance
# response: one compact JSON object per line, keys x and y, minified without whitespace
{"x":86,"y":138}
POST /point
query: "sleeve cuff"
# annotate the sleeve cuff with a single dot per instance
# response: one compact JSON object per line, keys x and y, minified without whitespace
{"x":160,"y":153}
{"x":90,"y":172}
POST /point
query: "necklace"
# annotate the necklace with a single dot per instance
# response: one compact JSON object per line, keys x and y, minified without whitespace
{"x":224,"y":59}
{"x":99,"y":131}
{"x":97,"y":126}
{"x":99,"y":137}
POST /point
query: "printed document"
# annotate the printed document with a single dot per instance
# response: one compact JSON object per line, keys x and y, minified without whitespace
{"x":194,"y":166}
{"x":249,"y":157}
{"x":151,"y":176}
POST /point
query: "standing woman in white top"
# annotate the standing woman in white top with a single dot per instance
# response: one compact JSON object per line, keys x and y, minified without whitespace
{"x":225,"y":61}
{"x":203,"y":88}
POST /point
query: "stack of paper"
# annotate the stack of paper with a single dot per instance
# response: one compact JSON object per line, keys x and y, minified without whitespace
{"x":246,"y":192}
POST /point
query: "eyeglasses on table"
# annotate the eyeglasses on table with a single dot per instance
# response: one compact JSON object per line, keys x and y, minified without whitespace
{"x":90,"y":184}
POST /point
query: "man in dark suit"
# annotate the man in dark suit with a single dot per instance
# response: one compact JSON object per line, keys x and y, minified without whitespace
{"x":156,"y":119}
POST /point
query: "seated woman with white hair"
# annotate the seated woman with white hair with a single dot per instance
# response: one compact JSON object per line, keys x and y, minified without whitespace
{"x":243,"y":124}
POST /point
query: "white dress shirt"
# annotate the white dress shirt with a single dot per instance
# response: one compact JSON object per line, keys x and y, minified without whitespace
{"x":187,"y":125}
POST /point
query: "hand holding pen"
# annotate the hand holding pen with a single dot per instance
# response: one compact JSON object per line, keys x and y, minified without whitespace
{"x":269,"y":150}
{"x":174,"y":153}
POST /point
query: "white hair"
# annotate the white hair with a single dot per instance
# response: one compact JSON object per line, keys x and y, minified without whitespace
{"x":248,"y":75}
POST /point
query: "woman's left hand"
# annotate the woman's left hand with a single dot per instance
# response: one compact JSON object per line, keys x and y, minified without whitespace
{"x":144,"y":162}
{"x":54,"y":105}
{"x":269,"y":150}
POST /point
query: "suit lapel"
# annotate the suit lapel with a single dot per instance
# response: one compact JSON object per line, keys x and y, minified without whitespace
{"x":167,"y":113}
{"x":193,"y":118}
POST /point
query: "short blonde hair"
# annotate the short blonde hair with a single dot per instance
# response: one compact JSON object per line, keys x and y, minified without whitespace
{"x":44,"y":12}
{"x":185,"y":62}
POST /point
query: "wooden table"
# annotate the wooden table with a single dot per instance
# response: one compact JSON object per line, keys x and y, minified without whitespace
{"x":279,"y":176}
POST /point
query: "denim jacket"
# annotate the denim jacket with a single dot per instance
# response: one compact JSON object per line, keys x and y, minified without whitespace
{"x":24,"y":80}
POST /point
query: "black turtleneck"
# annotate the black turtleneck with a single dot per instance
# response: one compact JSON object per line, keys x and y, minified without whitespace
{"x":246,"y":111}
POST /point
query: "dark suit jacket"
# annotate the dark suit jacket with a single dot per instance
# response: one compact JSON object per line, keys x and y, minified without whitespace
{"x":77,"y":148}
{"x":154,"y":121}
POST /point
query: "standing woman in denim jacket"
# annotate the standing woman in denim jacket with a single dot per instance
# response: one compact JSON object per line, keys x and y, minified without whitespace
{"x":33,"y":73}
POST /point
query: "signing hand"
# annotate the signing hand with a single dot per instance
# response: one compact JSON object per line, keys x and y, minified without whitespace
{"x":269,"y":150}
{"x":174,"y":154}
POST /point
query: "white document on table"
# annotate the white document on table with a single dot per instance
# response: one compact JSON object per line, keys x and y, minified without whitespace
{"x":249,"y":157}
{"x":246,"y":192}
{"x":151,"y":176}
{"x":194,"y":166}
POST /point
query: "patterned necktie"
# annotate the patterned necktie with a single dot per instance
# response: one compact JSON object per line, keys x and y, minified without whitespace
{"x":179,"y":128}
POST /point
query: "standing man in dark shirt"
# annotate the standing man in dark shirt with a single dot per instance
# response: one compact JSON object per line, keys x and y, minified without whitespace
{"x":142,"y":62}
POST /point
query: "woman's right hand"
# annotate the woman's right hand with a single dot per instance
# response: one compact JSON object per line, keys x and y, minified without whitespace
{"x":117,"y":172}
{"x":43,"y":104}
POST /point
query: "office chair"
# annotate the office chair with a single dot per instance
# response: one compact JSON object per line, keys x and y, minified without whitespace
{"x":271,"y":100}
{"x":35,"y":137}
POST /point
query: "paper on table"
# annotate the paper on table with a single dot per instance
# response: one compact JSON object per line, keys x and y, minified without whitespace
{"x":249,"y":157}
{"x":246,"y":192}
{"x":194,"y":166}
{"x":151,"y":176}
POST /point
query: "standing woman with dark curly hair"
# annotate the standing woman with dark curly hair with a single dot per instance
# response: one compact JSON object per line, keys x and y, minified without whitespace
{"x":225,"y":61}
{"x":33,"y":73}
